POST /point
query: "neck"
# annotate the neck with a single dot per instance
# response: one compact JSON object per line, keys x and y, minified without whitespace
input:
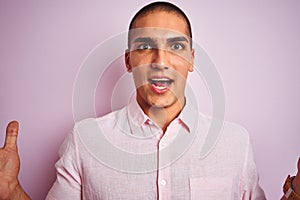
{"x":163,"y":116}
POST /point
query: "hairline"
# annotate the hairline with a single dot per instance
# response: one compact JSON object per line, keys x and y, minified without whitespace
{"x":165,"y":7}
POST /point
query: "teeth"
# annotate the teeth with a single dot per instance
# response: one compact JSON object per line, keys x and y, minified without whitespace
{"x":157,"y":80}
{"x":161,"y":79}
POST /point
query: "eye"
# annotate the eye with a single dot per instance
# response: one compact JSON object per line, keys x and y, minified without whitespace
{"x":144,"y":47}
{"x":177,"y":46}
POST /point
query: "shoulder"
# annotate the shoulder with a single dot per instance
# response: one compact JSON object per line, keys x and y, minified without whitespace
{"x":233,"y":133}
{"x":223,"y":136}
{"x":227,"y":129}
{"x":235,"y":136}
{"x":104,"y":124}
{"x":235,"y":130}
{"x":107,"y":118}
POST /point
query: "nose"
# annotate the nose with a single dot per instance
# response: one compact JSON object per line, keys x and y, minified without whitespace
{"x":160,"y":59}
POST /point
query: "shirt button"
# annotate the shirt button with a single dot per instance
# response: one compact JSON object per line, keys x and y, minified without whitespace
{"x":163,"y":144}
{"x":163,"y":182}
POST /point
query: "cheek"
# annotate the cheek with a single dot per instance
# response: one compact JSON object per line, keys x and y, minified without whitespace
{"x":140,"y":75}
{"x":181,"y":65}
{"x":139,"y":59}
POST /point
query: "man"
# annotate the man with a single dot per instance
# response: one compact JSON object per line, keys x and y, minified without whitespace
{"x":149,"y":149}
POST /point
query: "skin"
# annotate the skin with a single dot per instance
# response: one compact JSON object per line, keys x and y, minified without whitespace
{"x":296,"y":182}
{"x":160,"y":48}
{"x":161,"y":108}
{"x":10,"y":189}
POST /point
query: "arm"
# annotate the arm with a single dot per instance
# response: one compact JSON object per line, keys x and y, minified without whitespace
{"x":10,"y":187}
{"x":251,"y":187}
{"x":68,"y":180}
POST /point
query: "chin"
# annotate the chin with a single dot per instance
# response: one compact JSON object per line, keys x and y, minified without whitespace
{"x":162,"y":102}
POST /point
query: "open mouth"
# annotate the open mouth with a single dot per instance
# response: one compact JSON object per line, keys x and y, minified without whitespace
{"x":160,"y":85}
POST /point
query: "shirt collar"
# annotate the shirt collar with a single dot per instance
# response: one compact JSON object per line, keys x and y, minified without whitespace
{"x":135,"y":114}
{"x":188,"y":116}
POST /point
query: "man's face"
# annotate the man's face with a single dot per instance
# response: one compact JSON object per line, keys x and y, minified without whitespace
{"x":160,"y":57}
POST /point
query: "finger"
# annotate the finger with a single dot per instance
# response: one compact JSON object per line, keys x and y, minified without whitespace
{"x":11,"y":135}
{"x":299,"y":166}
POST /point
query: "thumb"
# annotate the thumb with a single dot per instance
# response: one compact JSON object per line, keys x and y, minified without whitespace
{"x":11,"y":135}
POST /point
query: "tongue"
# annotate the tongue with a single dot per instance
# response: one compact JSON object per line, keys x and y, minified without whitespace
{"x":161,"y":84}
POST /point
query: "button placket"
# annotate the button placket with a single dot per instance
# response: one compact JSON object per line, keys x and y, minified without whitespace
{"x":163,"y":181}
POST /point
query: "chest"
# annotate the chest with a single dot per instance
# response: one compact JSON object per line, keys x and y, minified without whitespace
{"x":186,"y":177}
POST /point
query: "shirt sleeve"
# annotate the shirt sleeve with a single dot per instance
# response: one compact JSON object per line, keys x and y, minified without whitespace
{"x":68,"y":182}
{"x":250,"y":180}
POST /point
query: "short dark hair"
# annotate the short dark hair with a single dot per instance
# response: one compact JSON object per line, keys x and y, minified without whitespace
{"x":161,"y":6}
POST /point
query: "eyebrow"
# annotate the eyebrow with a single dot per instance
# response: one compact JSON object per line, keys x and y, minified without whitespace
{"x":169,"y":40}
{"x":177,"y":39}
{"x":144,"y":39}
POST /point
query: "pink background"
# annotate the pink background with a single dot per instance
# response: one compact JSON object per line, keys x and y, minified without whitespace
{"x":255,"y":46}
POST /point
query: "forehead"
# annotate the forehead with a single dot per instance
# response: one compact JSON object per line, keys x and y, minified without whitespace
{"x":156,"y":34}
{"x":157,"y":21}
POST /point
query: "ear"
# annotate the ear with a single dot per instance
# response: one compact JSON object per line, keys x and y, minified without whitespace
{"x":127,"y":61}
{"x":191,"y":66}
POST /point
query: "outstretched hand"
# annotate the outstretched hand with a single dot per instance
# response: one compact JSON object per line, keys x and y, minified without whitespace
{"x":10,"y":165}
{"x":296,"y":181}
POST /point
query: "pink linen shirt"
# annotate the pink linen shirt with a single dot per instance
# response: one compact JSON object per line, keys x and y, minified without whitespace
{"x":125,"y":155}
